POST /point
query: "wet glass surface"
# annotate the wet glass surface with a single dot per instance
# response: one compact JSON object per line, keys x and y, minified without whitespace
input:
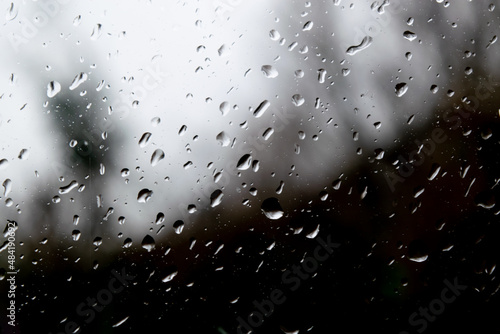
{"x":233,"y":166}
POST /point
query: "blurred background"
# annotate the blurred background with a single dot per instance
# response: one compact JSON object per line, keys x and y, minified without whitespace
{"x":203,"y":146}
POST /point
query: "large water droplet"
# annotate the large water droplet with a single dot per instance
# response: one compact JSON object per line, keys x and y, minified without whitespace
{"x":269,"y":71}
{"x":145,"y":139}
{"x":53,"y":88}
{"x":261,"y":109}
{"x":178,"y":226}
{"x":298,"y":100}
{"x":401,"y":89}
{"x":223,"y":139}
{"x":66,"y":189}
{"x":224,"y":108}
{"x":11,"y":12}
{"x":366,"y":42}
{"x":244,"y":162}
{"x":148,"y":243}
{"x":7,"y":185}
{"x":144,"y":195}
{"x":272,"y":209}
{"x":96,"y":32}
{"x":157,"y":156}
{"x":308,"y":26}
{"x":78,"y":80}
{"x":216,"y":198}
{"x":409,"y":35}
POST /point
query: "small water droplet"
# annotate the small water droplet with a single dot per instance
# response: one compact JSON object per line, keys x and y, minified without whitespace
{"x":434,"y":89}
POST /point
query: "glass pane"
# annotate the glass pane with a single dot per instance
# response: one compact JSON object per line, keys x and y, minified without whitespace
{"x":233,"y":166}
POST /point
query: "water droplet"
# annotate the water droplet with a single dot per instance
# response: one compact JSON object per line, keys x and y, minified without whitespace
{"x":279,"y":190}
{"x":216,"y":198}
{"x":274,"y":35}
{"x":409,"y":35}
{"x":157,"y":156}
{"x":145,"y":139}
{"x":182,"y":130}
{"x":127,"y":243}
{"x":121,"y":220}
{"x":7,"y":185}
{"x":268,"y":133}
{"x":125,"y":172}
{"x":468,"y":70}
{"x":308,"y":26}
{"x":78,"y":80}
{"x":76,"y":220}
{"x":269,"y":71}
{"x":97,"y":241}
{"x":76,"y":234}
{"x":365,"y":42}
{"x":223,"y":51}
{"x":155,"y":121}
{"x":401,"y":89}
{"x":169,"y":277}
{"x":223,"y":139}
{"x":435,"y":169}
{"x":321,"y":75}
{"x":96,"y":32}
{"x":408,"y":56}
{"x":298,"y":100}
{"x":178,"y":226}
{"x":77,"y":20}
{"x":272,"y":208}
{"x":314,"y":233}
{"x":148,"y":243}
{"x":120,"y":322}
{"x":434,"y":89}
{"x":299,"y":74}
{"x":3,"y":163}
{"x":66,"y":189}
{"x":53,"y":88}
{"x":323,"y":196}
{"x":244,"y":162}
{"x":144,"y":195}
{"x":224,"y":108}
{"x":379,"y":154}
{"x":11,"y":12}
{"x":261,"y":109}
